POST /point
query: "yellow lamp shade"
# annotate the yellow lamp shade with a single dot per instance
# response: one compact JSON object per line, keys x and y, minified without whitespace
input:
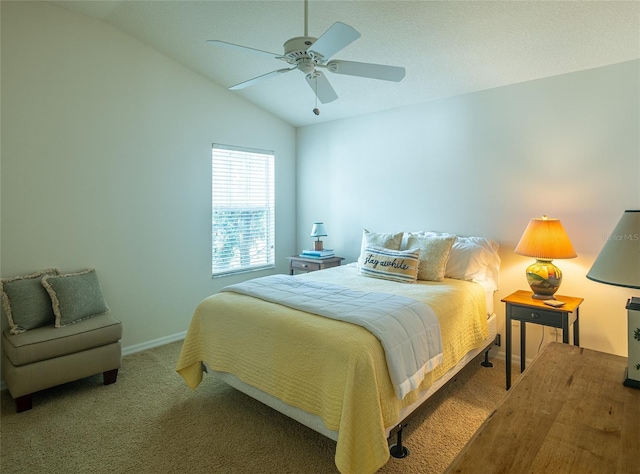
{"x":544,"y":239}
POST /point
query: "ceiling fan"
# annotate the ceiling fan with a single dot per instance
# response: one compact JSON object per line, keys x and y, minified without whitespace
{"x":308,"y":55}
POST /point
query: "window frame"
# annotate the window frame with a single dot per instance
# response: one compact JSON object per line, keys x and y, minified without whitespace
{"x":236,"y":170}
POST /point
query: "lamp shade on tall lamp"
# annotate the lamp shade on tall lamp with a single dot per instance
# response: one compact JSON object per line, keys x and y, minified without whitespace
{"x":618,"y":264}
{"x":545,"y":240}
{"x":318,"y":231}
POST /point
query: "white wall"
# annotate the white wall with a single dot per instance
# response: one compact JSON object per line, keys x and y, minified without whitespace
{"x":106,"y":163}
{"x":484,"y":164}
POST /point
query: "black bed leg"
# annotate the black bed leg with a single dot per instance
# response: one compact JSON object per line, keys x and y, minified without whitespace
{"x":397,"y":450}
{"x":485,"y":362}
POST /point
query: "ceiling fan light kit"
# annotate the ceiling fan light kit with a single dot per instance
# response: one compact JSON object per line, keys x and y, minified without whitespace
{"x":308,"y":54}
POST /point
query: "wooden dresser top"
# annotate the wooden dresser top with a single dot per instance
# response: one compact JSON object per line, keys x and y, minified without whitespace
{"x":568,"y":413}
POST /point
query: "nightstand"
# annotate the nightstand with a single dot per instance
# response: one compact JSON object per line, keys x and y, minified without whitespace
{"x":306,"y":265}
{"x":520,"y":306}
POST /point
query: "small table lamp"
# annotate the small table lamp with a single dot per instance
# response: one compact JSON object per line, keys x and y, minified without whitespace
{"x":318,"y":231}
{"x":544,"y":239}
{"x":619,"y":264}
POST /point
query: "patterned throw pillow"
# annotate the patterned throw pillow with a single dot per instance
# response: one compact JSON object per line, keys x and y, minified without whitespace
{"x":434,"y":253}
{"x":75,"y":296}
{"x":395,"y":265}
{"x":26,"y":303}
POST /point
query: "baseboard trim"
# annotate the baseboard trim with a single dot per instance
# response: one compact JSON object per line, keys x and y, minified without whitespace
{"x":143,"y":346}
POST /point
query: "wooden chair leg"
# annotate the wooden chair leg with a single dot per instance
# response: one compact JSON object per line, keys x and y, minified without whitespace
{"x":24,"y":403}
{"x":110,"y":376}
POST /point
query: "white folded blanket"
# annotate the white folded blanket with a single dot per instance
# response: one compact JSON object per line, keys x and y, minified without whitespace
{"x":408,"y":329}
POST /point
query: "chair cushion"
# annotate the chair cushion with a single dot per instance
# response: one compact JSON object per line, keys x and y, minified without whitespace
{"x":48,"y":342}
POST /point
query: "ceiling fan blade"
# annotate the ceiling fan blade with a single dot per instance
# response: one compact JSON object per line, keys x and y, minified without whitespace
{"x":321,"y":87}
{"x":373,"y":71}
{"x":251,"y":82}
{"x":338,"y":36}
{"x":244,"y":48}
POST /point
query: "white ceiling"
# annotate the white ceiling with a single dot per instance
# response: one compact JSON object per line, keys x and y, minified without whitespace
{"x":447,"y":47}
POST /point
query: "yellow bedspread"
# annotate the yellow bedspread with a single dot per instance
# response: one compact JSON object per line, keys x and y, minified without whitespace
{"x":329,"y":368}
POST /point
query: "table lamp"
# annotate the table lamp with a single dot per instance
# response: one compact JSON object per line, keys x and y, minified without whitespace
{"x":318,"y":231}
{"x":618,"y":264}
{"x":545,"y":240}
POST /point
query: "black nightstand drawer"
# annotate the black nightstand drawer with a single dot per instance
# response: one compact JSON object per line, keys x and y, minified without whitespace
{"x":536,"y":315}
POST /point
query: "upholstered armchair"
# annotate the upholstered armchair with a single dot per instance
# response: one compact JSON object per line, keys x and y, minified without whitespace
{"x":60,"y":330}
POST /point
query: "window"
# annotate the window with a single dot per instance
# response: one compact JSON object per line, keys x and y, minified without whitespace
{"x":242,"y":203}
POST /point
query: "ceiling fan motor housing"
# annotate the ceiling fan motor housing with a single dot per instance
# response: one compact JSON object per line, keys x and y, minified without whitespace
{"x":296,"y":53}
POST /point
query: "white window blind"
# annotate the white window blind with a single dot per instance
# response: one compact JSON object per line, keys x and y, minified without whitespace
{"x":242,"y":202}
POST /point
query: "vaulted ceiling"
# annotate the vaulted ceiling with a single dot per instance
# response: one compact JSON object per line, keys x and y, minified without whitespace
{"x":447,"y":47}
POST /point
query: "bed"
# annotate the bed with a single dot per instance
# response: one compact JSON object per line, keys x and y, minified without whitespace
{"x":332,"y":375}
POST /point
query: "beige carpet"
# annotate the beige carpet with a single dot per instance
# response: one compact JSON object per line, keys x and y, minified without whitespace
{"x":149,"y":421}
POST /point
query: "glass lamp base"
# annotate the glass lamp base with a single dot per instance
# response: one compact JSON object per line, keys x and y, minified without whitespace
{"x":544,"y":278}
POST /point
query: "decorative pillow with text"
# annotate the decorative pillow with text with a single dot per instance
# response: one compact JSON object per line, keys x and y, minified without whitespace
{"x":395,"y":265}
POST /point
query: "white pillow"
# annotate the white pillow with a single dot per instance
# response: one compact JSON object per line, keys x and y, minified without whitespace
{"x":471,"y":258}
{"x":474,"y":259}
{"x":387,"y":241}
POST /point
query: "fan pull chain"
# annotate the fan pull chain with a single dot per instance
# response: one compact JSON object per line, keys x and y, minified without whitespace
{"x":316,"y":110}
